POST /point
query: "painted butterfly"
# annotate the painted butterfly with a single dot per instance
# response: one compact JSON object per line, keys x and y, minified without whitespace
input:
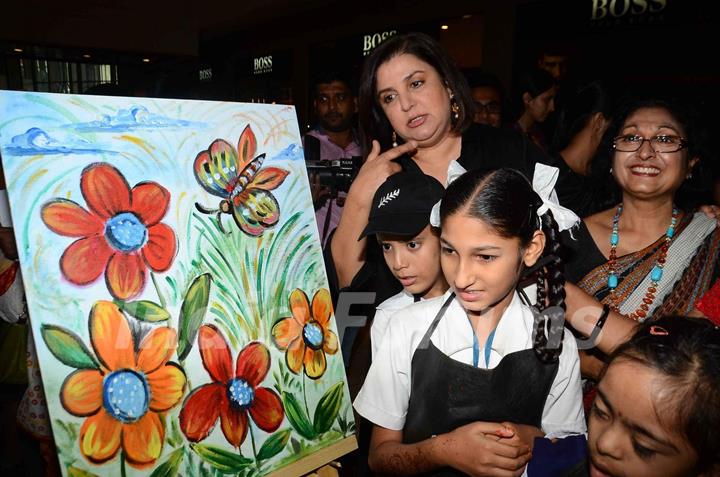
{"x":235,"y":175}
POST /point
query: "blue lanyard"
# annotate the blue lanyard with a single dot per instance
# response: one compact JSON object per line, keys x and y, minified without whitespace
{"x":488,"y":347}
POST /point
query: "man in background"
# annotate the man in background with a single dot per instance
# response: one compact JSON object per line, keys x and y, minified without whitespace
{"x":554,"y":59}
{"x":333,"y":138}
{"x":486,"y":92}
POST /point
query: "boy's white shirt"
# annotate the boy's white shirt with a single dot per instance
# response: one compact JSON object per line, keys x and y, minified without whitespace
{"x":383,"y":312}
{"x":385,"y":394}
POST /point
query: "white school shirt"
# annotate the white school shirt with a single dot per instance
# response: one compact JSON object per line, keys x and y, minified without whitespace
{"x":383,"y":312}
{"x":385,"y":395}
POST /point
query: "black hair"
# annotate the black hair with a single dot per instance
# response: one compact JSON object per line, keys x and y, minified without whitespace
{"x":692,"y":192}
{"x":482,"y":79}
{"x":533,"y":82}
{"x":330,"y":76}
{"x":505,"y":200}
{"x":374,"y":125}
{"x":578,"y":105}
{"x":686,"y":352}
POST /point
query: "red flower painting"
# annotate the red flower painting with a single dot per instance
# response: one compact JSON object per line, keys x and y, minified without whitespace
{"x":231,"y":396}
{"x":119,"y":234}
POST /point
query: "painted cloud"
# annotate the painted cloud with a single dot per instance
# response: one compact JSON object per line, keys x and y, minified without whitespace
{"x":36,"y":141}
{"x":136,"y":117}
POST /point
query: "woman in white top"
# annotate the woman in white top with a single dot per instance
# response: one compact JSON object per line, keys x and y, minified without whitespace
{"x":450,"y":369}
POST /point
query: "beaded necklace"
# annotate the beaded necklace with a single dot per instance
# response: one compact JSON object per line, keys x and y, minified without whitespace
{"x":655,"y":275}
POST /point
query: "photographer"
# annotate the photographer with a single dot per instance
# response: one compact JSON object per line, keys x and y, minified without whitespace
{"x":332,"y":139}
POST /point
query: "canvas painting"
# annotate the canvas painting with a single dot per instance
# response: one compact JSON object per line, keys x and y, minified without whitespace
{"x":175,"y":285}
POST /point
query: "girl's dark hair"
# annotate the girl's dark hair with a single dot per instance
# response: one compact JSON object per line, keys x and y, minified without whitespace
{"x":374,"y":125}
{"x":505,"y":200}
{"x":577,"y":105}
{"x":686,"y":352}
{"x":692,"y":192}
{"x":533,"y":82}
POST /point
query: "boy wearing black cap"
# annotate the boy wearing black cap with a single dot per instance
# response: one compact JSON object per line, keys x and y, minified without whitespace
{"x":400,"y":220}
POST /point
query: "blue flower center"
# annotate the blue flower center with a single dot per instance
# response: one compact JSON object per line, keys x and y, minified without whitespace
{"x":126,"y":232}
{"x":240,"y":393}
{"x":126,"y":395}
{"x":313,"y":335}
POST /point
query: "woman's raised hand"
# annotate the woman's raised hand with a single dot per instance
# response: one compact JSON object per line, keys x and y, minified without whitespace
{"x":378,"y":167}
{"x":347,"y":251}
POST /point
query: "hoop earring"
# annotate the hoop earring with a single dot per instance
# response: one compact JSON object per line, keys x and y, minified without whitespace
{"x":454,"y":107}
{"x":394,"y":139}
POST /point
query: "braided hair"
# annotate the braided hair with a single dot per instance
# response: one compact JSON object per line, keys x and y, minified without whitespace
{"x":505,"y":200}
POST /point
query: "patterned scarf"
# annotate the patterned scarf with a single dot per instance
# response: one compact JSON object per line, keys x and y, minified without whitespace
{"x":700,"y":266}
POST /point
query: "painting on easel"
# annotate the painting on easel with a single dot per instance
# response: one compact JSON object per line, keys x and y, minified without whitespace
{"x":175,"y":286}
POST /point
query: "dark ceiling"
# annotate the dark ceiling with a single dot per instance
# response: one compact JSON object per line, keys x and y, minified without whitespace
{"x":156,"y":26}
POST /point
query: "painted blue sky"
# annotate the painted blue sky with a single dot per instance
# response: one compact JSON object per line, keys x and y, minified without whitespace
{"x":35,"y":141}
{"x":134,"y":118}
{"x":291,"y":153}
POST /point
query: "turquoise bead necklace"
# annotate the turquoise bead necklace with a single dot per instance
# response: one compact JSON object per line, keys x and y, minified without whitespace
{"x":655,"y":275}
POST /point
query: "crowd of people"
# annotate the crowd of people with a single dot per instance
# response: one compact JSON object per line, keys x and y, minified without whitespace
{"x":545,"y":299}
{"x":545,"y":278}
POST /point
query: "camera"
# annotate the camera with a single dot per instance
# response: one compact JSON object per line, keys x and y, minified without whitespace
{"x":335,"y":174}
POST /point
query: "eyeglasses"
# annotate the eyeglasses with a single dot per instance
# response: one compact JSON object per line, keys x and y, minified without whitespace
{"x":662,"y":143}
{"x":489,"y":108}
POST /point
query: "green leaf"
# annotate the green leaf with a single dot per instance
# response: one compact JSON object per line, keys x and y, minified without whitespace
{"x":295,"y":444}
{"x":224,"y":461}
{"x":192,"y":313}
{"x":297,"y":416}
{"x":170,"y":467}
{"x":175,"y":438}
{"x":67,"y":347}
{"x":144,"y":310}
{"x":76,"y":472}
{"x":63,"y":433}
{"x":274,"y":445}
{"x":328,"y":408}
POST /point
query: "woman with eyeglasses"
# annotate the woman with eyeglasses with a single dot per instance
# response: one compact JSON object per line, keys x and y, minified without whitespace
{"x":647,"y":256}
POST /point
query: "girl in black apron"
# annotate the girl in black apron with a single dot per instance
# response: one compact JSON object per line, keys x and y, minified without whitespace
{"x":462,"y":383}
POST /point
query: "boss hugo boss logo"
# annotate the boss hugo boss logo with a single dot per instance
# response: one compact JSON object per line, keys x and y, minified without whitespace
{"x":205,"y":74}
{"x":371,"y":41}
{"x":388,"y":197}
{"x":262,"y":64}
{"x":619,"y":8}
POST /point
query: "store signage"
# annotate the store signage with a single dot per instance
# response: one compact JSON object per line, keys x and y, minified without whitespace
{"x":262,"y":65}
{"x":618,"y":8}
{"x":373,"y":40}
{"x":205,"y":74}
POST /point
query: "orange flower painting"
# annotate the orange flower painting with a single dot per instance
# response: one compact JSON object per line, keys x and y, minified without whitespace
{"x":123,"y":401}
{"x":120,"y":234}
{"x":306,"y":335}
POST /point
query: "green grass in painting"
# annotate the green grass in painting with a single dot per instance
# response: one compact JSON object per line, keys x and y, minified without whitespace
{"x":254,"y":276}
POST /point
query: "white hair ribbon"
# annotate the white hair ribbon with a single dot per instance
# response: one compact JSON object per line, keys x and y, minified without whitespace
{"x":543,"y":184}
{"x":455,"y":170}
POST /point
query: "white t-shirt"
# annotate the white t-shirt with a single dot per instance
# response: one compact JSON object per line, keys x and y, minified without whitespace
{"x":383,"y":312}
{"x":385,"y":395}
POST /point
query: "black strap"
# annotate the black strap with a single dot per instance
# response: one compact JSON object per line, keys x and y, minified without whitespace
{"x":431,"y":329}
{"x":311,"y":148}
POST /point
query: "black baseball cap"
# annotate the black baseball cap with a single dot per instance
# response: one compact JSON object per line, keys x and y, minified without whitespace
{"x":402,"y":204}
